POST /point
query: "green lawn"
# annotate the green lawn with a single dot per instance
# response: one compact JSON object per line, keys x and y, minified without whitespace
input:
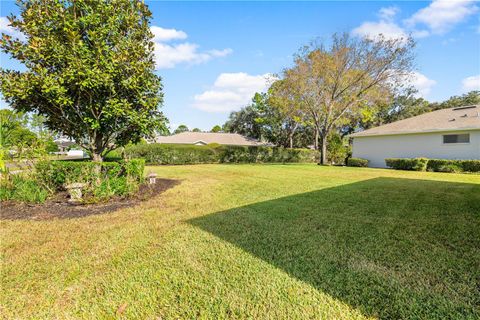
{"x":258,"y":242}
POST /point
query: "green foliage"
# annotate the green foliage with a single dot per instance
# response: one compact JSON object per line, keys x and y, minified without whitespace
{"x":103,"y":179}
{"x":216,"y":128}
{"x":181,"y":128}
{"x":89,"y":70}
{"x":23,"y":188}
{"x":357,"y":162}
{"x":50,"y":145}
{"x":415,"y":164}
{"x":337,"y":149}
{"x":214,"y":153}
{"x":446,"y":165}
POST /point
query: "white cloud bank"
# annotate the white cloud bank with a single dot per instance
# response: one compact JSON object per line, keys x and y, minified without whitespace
{"x":168,"y":55}
{"x":422,"y":83}
{"x":439,"y":17}
{"x":471,"y":83}
{"x":231,"y":91}
{"x":442,"y":15}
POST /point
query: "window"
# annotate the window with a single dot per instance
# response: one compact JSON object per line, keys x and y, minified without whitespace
{"x":456,"y":138}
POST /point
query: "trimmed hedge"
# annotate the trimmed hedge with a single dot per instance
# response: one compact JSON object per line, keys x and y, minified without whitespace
{"x":438,"y":165}
{"x":357,"y":162}
{"x":415,"y":164}
{"x":102,"y":180}
{"x":444,"y":165}
{"x":188,"y":154}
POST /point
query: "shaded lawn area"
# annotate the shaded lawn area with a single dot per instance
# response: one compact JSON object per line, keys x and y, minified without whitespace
{"x":258,"y":241}
{"x":393,"y":248}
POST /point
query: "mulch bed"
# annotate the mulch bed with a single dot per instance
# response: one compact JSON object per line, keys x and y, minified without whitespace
{"x":59,"y":207}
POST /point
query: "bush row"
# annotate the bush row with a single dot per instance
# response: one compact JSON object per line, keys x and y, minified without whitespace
{"x":437,"y":165}
{"x":357,"y":162}
{"x":187,"y":154}
{"x":415,"y":164}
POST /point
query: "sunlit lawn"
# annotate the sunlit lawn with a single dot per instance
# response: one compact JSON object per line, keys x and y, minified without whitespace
{"x":258,"y":241}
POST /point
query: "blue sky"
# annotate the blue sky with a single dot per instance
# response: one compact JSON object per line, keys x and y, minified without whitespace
{"x":213,"y":56}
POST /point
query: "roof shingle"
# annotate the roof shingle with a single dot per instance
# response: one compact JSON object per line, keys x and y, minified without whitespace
{"x":232,"y":139}
{"x":453,"y":119}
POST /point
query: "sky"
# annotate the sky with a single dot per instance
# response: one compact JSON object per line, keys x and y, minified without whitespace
{"x":213,"y":56}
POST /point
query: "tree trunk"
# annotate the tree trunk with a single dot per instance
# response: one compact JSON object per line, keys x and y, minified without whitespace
{"x":315,"y":140}
{"x":96,"y":156}
{"x":323,"y":158}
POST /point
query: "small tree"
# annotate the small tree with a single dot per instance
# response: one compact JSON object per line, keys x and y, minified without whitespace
{"x":282,"y":97}
{"x":181,"y":128}
{"x":216,"y":128}
{"x":89,"y":70}
{"x":351,"y":75}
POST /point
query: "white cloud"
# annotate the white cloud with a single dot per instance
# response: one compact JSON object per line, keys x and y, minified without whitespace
{"x":422,"y":83}
{"x":471,"y":83}
{"x":168,"y":55}
{"x":437,"y":18}
{"x":231,"y":91}
{"x":372,"y":30}
{"x":162,"y":34}
{"x":386,"y":26}
{"x":7,"y":29}
{"x":388,"y":13}
{"x":441,"y":15}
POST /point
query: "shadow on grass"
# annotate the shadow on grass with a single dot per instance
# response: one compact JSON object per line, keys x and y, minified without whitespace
{"x":392,"y":248}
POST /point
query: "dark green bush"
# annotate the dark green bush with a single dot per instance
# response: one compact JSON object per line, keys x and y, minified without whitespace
{"x":446,"y":165}
{"x":189,"y":154}
{"x":415,"y":164}
{"x":357,"y":162}
{"x":22,"y":188}
{"x":103,"y":180}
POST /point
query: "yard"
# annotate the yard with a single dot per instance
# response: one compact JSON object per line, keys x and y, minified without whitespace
{"x":258,"y":241}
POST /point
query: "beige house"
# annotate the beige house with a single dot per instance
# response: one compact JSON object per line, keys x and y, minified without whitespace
{"x":204,"y":138}
{"x":443,"y":134}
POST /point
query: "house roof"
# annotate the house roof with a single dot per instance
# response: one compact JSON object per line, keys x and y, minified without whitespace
{"x":233,"y":139}
{"x":453,"y":119}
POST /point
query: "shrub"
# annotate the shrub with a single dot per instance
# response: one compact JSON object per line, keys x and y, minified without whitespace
{"x":22,"y":188}
{"x":103,"y":179}
{"x":415,"y":164}
{"x":447,"y":165}
{"x":213,"y":153}
{"x":470,"y":165}
{"x":357,"y":162}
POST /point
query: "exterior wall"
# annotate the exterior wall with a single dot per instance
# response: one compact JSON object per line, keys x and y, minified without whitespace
{"x":427,"y":145}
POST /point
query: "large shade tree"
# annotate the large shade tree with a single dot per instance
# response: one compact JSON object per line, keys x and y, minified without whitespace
{"x":350,"y":76}
{"x":89,"y":70}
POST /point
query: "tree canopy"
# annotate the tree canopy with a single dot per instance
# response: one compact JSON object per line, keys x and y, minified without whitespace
{"x":89,"y":70}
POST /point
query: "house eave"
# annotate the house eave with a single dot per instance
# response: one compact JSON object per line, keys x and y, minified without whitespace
{"x":361,"y":135}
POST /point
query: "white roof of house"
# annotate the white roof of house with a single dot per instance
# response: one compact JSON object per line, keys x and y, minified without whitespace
{"x":453,"y":119}
{"x":233,"y":139}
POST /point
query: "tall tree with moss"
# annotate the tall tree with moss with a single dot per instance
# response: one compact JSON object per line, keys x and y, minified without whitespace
{"x":349,"y":76}
{"x":89,"y":70}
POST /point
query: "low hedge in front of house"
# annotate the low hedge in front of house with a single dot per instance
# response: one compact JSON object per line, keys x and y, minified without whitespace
{"x":437,"y":165}
{"x":102,"y":180}
{"x":357,"y":162}
{"x":156,"y":154}
{"x":447,"y":165}
{"x":415,"y":164}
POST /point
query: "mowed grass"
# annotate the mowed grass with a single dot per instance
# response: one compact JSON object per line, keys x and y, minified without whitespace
{"x":258,"y":242}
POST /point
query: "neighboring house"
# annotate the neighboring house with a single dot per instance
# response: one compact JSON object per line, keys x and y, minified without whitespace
{"x":64,"y":144}
{"x":204,"y":138}
{"x":443,"y":134}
